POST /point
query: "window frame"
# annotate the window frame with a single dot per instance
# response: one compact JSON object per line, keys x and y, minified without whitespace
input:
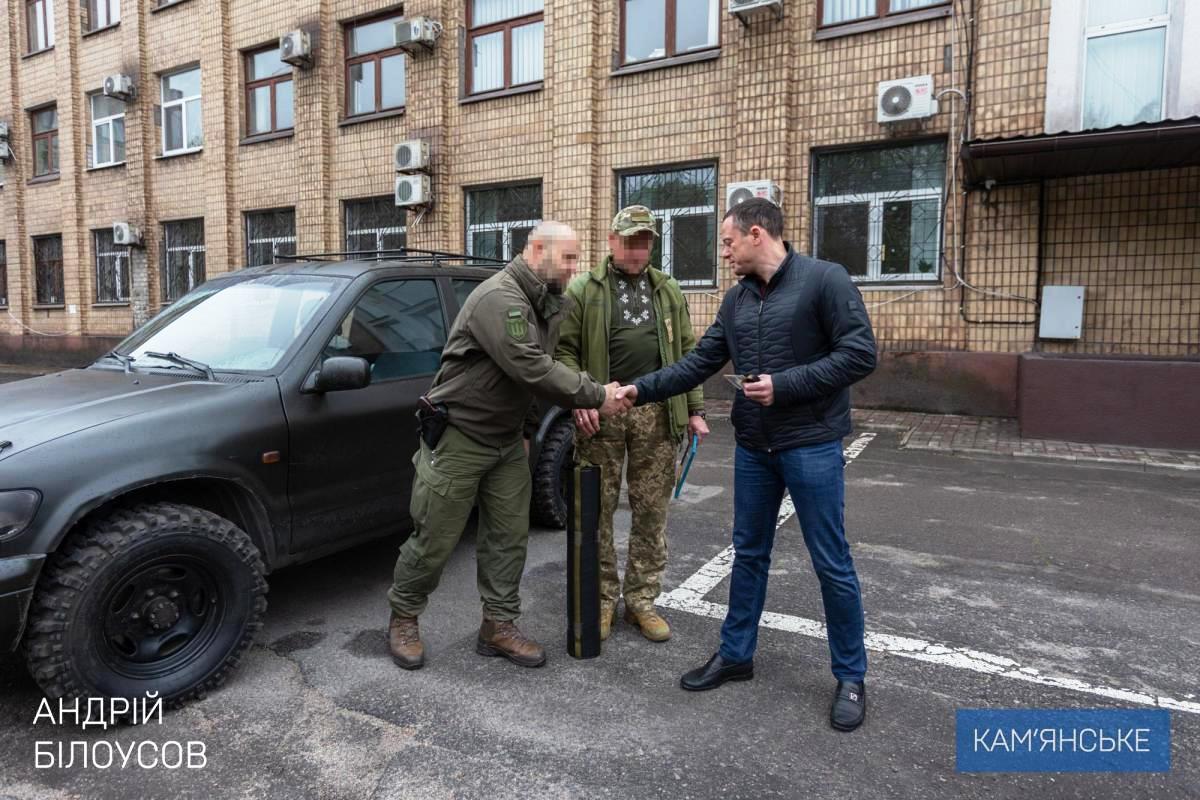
{"x":666,"y":218}
{"x":109,"y":5}
{"x":250,"y":84}
{"x":505,"y":25}
{"x":883,"y":15}
{"x":116,"y":255}
{"x":95,"y":124}
{"x":505,"y":227}
{"x":46,"y":28}
{"x":182,"y":103}
{"x":439,"y":296}
{"x":274,"y":241}
{"x":51,"y":135}
{"x":379,"y":233}
{"x":875,"y":201}
{"x":670,"y":53}
{"x":191,"y":250}
{"x":376,"y":57}
{"x":1129,"y":25}
{"x":38,"y":300}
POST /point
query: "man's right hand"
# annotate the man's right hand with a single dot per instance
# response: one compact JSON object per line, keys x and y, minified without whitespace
{"x":628,"y":394}
{"x":614,"y":402}
{"x":587,"y":422}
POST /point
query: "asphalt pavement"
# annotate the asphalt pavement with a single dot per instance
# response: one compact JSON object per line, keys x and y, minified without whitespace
{"x":1081,"y":579}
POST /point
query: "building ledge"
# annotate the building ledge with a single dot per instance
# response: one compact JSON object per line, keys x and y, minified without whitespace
{"x":666,"y":63}
{"x":51,"y":178}
{"x":95,"y":31}
{"x":49,"y":306}
{"x":117,"y":304}
{"x":511,"y":91}
{"x":267,"y":137}
{"x":36,"y":53}
{"x":154,"y":9}
{"x":890,"y":21}
{"x":360,"y":118}
{"x":103,"y":167}
{"x":178,"y":153}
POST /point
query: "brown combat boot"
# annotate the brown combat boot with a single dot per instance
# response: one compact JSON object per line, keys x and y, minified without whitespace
{"x":404,"y":640}
{"x":653,"y":627}
{"x":505,"y":639}
{"x":608,"y":615}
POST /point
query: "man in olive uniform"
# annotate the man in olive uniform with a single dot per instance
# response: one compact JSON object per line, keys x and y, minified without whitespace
{"x":627,"y":320}
{"x":496,"y":357}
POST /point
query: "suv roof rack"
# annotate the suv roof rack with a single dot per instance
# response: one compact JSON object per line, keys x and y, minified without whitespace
{"x":438,"y":257}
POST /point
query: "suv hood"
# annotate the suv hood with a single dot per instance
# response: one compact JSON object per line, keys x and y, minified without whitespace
{"x":39,"y":410}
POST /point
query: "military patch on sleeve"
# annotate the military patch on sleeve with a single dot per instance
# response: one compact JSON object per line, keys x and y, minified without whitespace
{"x":518,"y":328}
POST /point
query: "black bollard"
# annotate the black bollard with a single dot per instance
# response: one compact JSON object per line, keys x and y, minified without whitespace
{"x":583,"y":562}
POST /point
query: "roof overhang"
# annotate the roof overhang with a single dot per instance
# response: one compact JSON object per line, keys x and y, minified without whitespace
{"x":1159,"y":145}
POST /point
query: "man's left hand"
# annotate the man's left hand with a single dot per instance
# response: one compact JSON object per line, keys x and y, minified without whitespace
{"x":760,"y":391}
{"x":697,"y":426}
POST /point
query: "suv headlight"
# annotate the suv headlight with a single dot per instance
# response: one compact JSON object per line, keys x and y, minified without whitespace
{"x":17,"y":509}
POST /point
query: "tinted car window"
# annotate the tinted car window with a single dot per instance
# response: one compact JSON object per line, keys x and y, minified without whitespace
{"x":397,"y":326}
{"x":463,"y":287}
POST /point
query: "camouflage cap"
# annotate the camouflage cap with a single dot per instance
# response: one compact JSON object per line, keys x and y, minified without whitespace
{"x":634,"y":219}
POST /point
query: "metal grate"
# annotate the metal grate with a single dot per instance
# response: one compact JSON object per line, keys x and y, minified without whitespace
{"x":269,"y":234}
{"x":182,"y":257}
{"x":685,"y":203}
{"x":48,"y":270}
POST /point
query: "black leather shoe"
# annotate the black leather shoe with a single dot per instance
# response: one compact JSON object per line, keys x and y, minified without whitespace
{"x":849,"y":705}
{"x":716,"y":672}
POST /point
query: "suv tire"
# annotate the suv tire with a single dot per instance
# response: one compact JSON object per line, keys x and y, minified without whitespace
{"x":550,"y":474}
{"x":161,"y":598}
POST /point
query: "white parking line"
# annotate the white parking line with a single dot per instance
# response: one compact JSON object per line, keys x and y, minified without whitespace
{"x":689,"y":597}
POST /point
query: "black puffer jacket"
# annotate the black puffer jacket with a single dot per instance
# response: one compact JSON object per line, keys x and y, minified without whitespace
{"x":808,"y":329}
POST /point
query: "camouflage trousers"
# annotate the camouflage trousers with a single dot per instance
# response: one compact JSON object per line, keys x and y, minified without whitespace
{"x":643,"y":435}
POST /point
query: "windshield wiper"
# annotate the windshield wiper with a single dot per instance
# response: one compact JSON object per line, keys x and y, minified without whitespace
{"x":126,"y":360}
{"x":175,"y":358}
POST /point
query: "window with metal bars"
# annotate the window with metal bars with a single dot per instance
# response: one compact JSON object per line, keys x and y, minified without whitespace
{"x":112,"y":268}
{"x":374,"y":67}
{"x":182,"y":257}
{"x":373,"y":224}
{"x":499,"y":219}
{"x":878,"y":211}
{"x":684,"y":199}
{"x":505,"y":44}
{"x":48,"y":270}
{"x":269,"y":233}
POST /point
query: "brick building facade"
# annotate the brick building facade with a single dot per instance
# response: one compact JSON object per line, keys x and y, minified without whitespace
{"x":954,"y":222}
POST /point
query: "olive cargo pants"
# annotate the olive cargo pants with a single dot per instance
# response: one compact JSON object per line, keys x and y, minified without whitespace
{"x":448,"y":483}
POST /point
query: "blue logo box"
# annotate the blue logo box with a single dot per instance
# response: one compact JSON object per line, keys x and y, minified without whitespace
{"x":1063,"y":740}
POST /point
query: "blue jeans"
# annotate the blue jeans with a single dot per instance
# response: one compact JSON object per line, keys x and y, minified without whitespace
{"x":814,"y":476}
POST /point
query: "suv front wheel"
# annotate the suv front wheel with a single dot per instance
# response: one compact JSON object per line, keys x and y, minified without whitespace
{"x":159,"y":598}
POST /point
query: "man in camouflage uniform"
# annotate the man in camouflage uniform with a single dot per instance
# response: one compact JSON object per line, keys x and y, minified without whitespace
{"x":629,"y":319}
{"x":496,"y":357}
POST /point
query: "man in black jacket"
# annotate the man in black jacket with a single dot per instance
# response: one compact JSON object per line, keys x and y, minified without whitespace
{"x":797,"y":327}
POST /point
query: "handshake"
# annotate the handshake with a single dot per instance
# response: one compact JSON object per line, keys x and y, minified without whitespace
{"x":617,"y":400}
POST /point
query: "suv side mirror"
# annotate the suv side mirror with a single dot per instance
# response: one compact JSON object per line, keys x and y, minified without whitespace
{"x":339,"y":374}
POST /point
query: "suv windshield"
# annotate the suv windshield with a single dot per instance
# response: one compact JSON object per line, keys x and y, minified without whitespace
{"x":234,"y":324}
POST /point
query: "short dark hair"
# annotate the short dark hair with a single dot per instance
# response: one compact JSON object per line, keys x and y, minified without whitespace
{"x":757,"y":211}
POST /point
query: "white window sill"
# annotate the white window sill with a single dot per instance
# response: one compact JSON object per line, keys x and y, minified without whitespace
{"x":897,"y":284}
{"x":99,"y":167}
{"x":176,"y":153}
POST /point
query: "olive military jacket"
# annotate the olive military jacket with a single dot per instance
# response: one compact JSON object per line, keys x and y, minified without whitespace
{"x":497,"y":358}
{"x":583,"y":340}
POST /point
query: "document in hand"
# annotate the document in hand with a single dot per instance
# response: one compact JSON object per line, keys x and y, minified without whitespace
{"x":685,"y":463}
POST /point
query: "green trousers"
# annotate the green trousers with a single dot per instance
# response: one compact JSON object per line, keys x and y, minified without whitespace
{"x":449,"y":482}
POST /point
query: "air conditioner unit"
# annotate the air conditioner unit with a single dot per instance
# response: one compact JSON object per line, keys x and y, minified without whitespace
{"x":120,"y":87}
{"x":5,"y":151}
{"x":413,"y":190}
{"x":740,"y":7}
{"x":3,"y":131}
{"x":414,"y":33}
{"x":126,"y":234}
{"x":295,"y":48}
{"x":411,"y":156}
{"x":907,"y":98}
{"x":740,"y":192}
